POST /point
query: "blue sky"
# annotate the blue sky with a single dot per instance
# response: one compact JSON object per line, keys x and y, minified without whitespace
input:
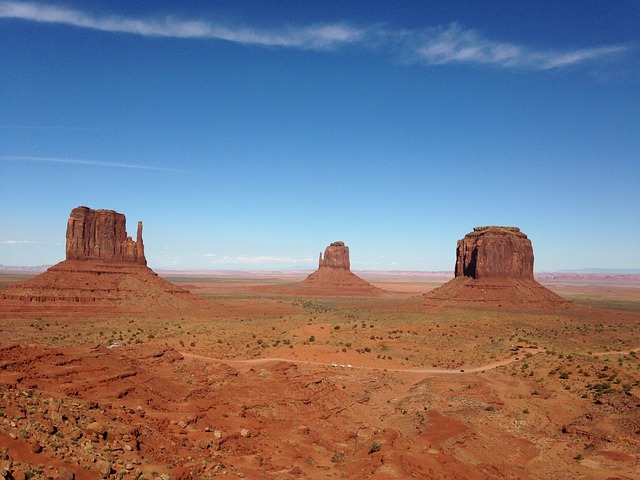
{"x":250,"y":135}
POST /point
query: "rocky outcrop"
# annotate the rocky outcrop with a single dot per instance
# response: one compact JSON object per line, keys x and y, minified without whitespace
{"x":105,"y":273}
{"x":334,"y":276}
{"x":336,"y":255}
{"x":102,"y":235}
{"x":495,"y":252}
{"x":494,"y":268}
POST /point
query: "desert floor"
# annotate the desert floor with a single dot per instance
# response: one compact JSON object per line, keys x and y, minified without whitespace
{"x":267,"y":384}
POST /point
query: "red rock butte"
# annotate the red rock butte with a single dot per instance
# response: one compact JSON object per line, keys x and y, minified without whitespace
{"x":494,"y":268}
{"x":336,"y":255}
{"x":105,"y":272}
{"x":102,"y":235}
{"x":334,"y":276}
{"x":494,"y":252}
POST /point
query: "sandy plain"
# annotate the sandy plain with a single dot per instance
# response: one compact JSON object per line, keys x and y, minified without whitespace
{"x":265,"y":383}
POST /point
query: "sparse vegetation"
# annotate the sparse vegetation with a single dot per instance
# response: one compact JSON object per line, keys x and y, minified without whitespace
{"x":579,"y":362}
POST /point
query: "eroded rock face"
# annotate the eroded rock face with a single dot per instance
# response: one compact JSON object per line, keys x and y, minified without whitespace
{"x":102,"y":235}
{"x":336,"y":255}
{"x":495,"y":252}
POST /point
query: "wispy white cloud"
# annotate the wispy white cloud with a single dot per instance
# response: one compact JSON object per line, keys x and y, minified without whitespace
{"x":258,"y":259}
{"x":92,"y":163}
{"x":17,"y":242}
{"x":455,"y":44}
{"x":432,"y":46}
{"x":45,"y":127}
{"x":312,"y":37}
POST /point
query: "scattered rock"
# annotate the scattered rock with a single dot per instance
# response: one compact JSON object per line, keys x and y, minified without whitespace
{"x":337,"y":457}
{"x":35,"y":446}
{"x":64,"y":474}
{"x":97,"y":429}
{"x":103,"y":467}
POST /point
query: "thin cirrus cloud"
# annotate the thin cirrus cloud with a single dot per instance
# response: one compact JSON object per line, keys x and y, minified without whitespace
{"x":313,"y":37}
{"x":432,"y":46}
{"x":457,"y":45}
{"x":92,"y":163}
{"x":17,"y":242}
{"x":243,"y":259}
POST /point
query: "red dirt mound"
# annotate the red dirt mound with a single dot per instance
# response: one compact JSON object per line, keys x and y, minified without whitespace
{"x":339,"y":282}
{"x":325,"y":282}
{"x":96,"y":287}
{"x":494,"y":292}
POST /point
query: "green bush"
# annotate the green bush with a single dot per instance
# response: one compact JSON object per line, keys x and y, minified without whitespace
{"x":375,"y":447}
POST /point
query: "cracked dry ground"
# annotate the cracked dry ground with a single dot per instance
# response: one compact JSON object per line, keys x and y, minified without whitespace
{"x":146,"y":411}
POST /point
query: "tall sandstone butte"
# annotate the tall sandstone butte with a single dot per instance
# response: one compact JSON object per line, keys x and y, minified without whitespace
{"x":494,"y":268}
{"x":495,"y":252}
{"x":336,"y":255}
{"x":105,"y":272}
{"x":102,"y":235}
{"x":334,"y":276}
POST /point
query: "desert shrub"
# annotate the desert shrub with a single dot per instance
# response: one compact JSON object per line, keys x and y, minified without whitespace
{"x":375,"y":447}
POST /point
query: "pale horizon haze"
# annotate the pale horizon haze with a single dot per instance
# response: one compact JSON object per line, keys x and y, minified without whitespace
{"x":251,"y":135}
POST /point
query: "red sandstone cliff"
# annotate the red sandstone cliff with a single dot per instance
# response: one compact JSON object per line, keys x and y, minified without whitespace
{"x":105,"y":272}
{"x":494,"y":252}
{"x":336,"y":255}
{"x":494,"y":268}
{"x":102,"y":235}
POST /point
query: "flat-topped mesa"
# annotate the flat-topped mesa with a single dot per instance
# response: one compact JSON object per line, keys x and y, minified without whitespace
{"x":495,"y":252}
{"x":102,"y":235}
{"x":336,"y":255}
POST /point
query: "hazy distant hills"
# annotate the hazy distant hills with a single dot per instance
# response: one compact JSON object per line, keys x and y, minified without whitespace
{"x":17,"y":269}
{"x":618,"y":271}
{"x":367,"y":273}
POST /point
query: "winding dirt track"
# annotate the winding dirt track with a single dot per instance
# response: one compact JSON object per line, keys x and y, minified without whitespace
{"x":425,"y":371}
